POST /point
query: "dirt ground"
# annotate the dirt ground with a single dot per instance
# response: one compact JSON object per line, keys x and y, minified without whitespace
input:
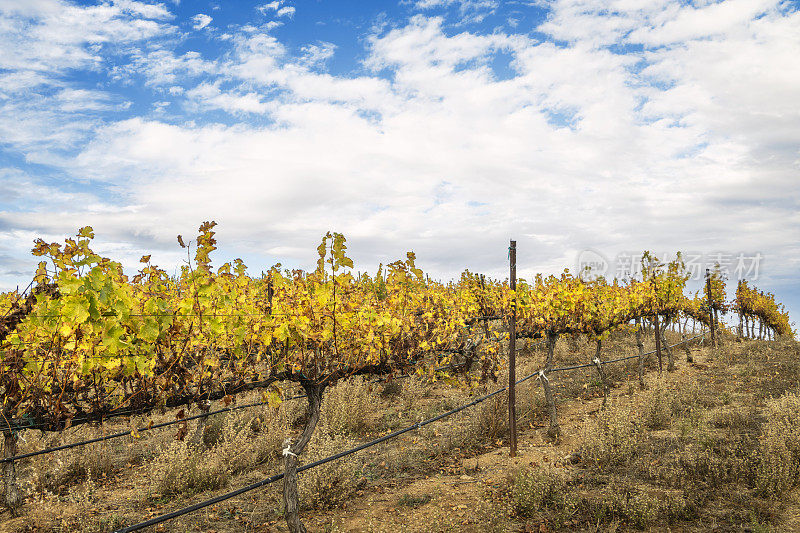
{"x":465,"y":490}
{"x":469,"y":495}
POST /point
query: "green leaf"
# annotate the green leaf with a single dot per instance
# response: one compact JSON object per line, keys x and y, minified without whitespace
{"x":120,"y":307}
{"x":87,"y":365}
{"x":112,"y":341}
{"x":76,"y":310}
{"x":273,"y":399}
{"x":143,"y":365}
{"x":69,"y":286}
{"x":94,"y":312}
{"x":149,"y":330}
{"x":97,"y":278}
{"x":216,"y":326}
{"x":87,"y":232}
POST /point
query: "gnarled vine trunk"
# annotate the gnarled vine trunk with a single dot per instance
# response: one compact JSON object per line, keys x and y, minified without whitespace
{"x":11,"y":495}
{"x":640,"y":346}
{"x":292,"y":451}
{"x":603,"y":378}
{"x":686,"y":349}
{"x":665,"y":344}
{"x":199,"y":432}
{"x":554,"y":430}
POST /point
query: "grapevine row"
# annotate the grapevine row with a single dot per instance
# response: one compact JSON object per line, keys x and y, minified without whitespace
{"x":89,"y":342}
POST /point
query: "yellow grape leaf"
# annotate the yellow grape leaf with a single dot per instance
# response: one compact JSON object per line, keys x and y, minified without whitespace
{"x":87,"y":232}
{"x":76,"y":310}
{"x":273,"y":399}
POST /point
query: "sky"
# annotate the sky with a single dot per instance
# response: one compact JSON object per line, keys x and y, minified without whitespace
{"x":579,"y":128}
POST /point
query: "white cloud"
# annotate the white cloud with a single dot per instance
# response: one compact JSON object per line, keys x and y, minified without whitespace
{"x":277,"y":7}
{"x":201,"y":21}
{"x":271,"y":6}
{"x":317,"y":54}
{"x":210,"y":96}
{"x":143,"y":9}
{"x":647,"y":125}
{"x":161,"y":67}
{"x":471,"y":11}
{"x":42,"y":42}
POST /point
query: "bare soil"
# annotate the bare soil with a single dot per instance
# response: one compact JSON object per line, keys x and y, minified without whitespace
{"x":440,"y":479}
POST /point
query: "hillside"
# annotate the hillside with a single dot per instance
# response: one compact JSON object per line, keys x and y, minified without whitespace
{"x":712,"y":446}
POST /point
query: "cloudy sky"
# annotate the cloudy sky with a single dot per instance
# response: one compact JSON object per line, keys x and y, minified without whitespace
{"x":443,"y":126}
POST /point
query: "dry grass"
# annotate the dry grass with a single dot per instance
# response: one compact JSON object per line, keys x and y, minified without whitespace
{"x":779,"y":465}
{"x":328,"y":485}
{"x":345,"y":407}
{"x":90,"y":463}
{"x":722,"y":450}
{"x":241,"y":441}
{"x":613,"y":438}
{"x":543,"y":492}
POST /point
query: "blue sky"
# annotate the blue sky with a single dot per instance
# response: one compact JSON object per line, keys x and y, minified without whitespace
{"x":443,"y":126}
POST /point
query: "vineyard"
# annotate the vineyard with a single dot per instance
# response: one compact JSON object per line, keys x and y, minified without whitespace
{"x":87,"y":345}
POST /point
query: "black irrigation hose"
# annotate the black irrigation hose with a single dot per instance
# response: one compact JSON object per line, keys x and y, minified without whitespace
{"x":570,"y":367}
{"x":134,"y":412}
{"x":684,"y":341}
{"x":163,"y":424}
{"x":129,"y":432}
{"x":622,"y":358}
{"x":222,"y":497}
{"x":256,"y":404}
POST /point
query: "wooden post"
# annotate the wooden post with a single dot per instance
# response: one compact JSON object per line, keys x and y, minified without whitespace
{"x":640,"y":346}
{"x":512,"y":352}
{"x":670,"y":359}
{"x":603,"y":379}
{"x":710,"y":308}
{"x":11,"y":496}
{"x":658,"y":342}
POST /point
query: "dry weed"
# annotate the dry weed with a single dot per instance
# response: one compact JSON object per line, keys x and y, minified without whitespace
{"x":779,"y":467}
{"x":345,"y":407}
{"x":243,"y":440}
{"x":613,"y":437}
{"x":330,"y":484}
